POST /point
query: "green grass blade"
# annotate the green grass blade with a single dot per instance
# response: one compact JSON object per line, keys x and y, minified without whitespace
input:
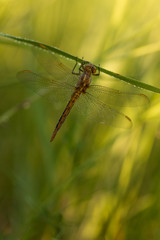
{"x":132,"y":81}
{"x":57,"y":51}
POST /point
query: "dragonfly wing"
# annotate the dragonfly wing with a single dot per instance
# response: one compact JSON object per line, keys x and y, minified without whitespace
{"x":118,"y":98}
{"x":55,"y":67}
{"x":52,"y":89}
{"x":97,"y":110}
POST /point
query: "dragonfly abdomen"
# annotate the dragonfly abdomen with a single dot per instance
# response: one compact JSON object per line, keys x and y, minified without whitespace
{"x":67,"y":110}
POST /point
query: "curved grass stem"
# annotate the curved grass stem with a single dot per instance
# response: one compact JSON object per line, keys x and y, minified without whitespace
{"x":57,"y":51}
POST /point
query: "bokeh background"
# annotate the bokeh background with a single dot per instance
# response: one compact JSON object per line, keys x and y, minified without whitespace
{"x":93,"y":182}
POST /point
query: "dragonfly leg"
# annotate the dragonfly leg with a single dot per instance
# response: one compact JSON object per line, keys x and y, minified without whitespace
{"x":82,"y":65}
{"x":73,"y":72}
{"x":97,"y":74}
{"x":84,"y":62}
{"x":81,"y":68}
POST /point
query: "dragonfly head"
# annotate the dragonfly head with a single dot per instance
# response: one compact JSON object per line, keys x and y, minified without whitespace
{"x":90,"y":68}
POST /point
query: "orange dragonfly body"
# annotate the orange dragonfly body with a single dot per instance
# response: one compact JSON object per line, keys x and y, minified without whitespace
{"x":81,"y":87}
{"x":95,"y":95}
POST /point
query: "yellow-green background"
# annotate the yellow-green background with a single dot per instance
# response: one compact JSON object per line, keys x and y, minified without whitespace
{"x":92,"y":182}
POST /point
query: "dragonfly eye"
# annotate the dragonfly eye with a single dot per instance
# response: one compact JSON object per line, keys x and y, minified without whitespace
{"x":93,"y":69}
{"x":90,"y":68}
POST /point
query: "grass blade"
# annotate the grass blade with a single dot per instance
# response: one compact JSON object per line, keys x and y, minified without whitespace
{"x":57,"y":51}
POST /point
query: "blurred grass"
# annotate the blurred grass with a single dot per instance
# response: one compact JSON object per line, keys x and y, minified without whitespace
{"x":93,"y":182}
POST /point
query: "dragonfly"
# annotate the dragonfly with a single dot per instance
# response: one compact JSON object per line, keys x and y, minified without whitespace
{"x":78,"y":87}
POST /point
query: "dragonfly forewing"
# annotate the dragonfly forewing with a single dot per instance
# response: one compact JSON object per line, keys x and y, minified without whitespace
{"x":55,"y":68}
{"x":50,"y":88}
{"x":115,"y":97}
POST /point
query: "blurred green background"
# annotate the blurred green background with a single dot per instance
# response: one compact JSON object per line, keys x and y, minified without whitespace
{"x":93,"y":182}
